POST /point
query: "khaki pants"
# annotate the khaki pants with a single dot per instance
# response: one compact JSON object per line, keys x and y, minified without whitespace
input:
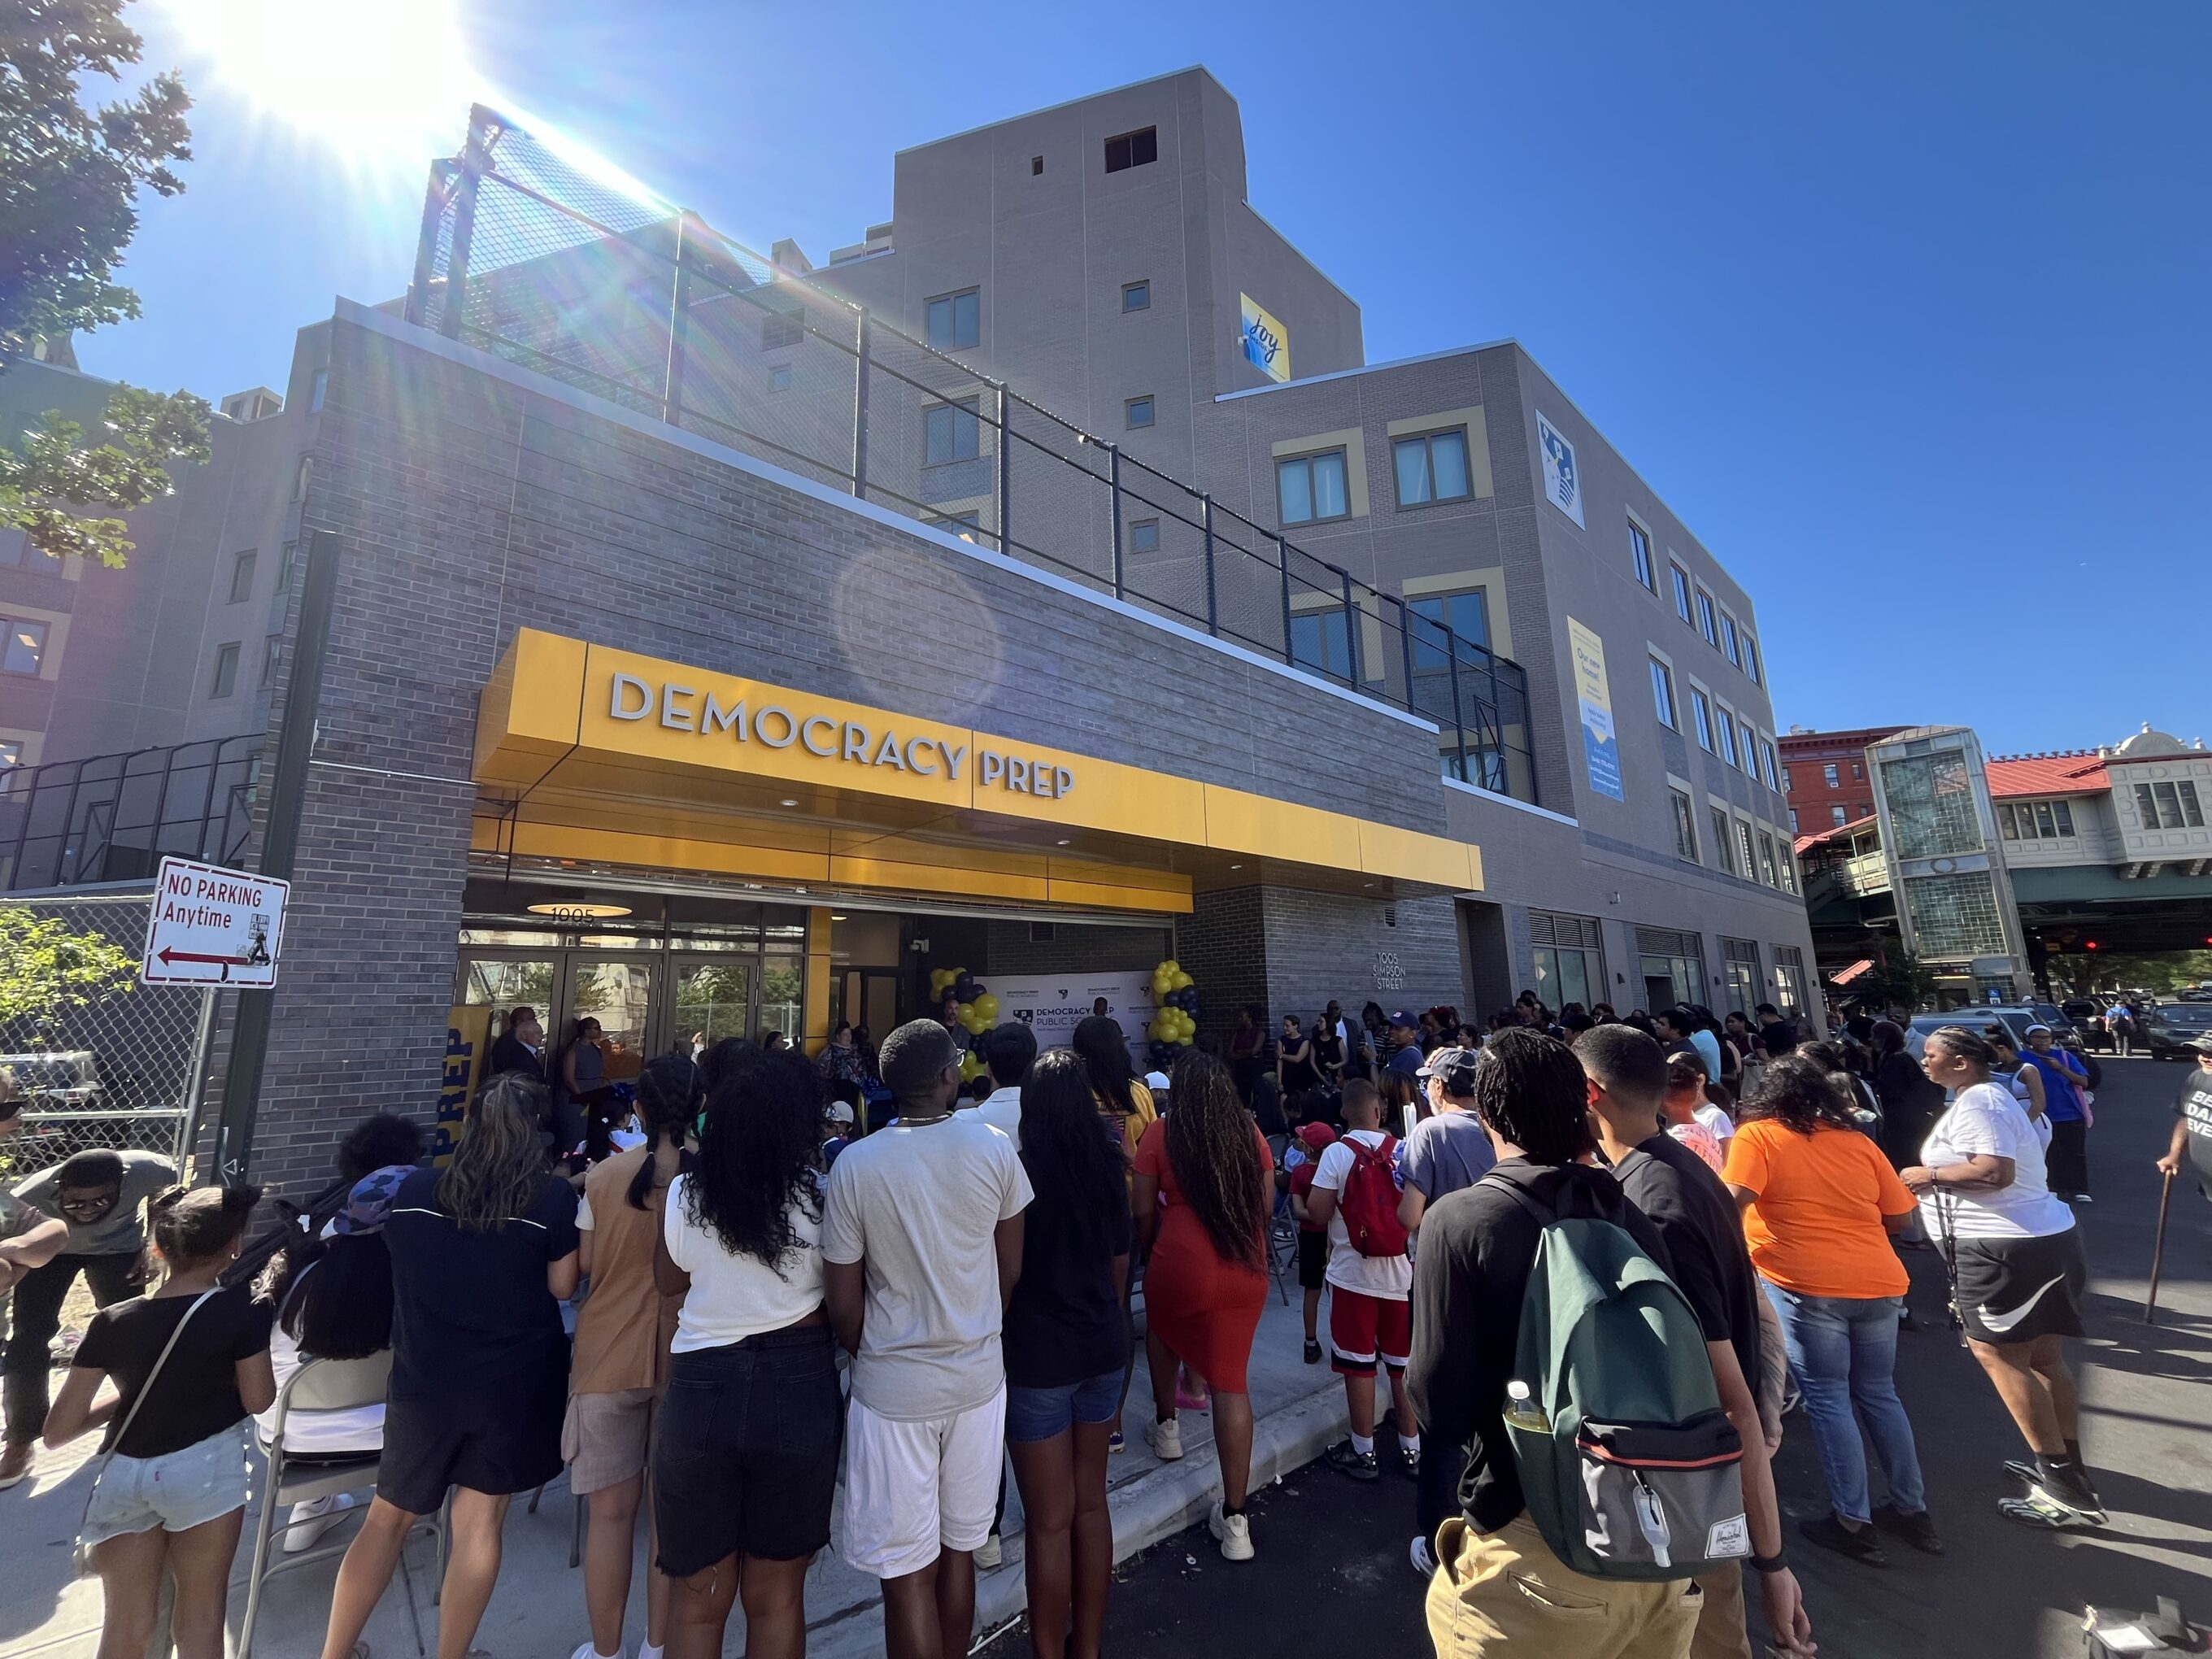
{"x":1721,"y":1631}
{"x":1505,"y":1592}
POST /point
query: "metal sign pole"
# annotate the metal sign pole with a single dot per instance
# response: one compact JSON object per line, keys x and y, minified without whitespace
{"x":196,"y":1087}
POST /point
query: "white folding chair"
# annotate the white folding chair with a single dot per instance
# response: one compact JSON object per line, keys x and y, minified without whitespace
{"x":320,"y":1385}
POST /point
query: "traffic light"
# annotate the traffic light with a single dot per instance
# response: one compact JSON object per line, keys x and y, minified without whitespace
{"x":2088,"y":945}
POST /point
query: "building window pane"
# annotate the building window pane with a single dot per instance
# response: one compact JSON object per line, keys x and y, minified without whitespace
{"x":1828,"y":776}
{"x":951,"y":433}
{"x":1144,"y":536}
{"x":1701,"y":711}
{"x":1136,"y":296}
{"x":1639,"y":551}
{"x":1309,"y":489}
{"x":1931,"y":805}
{"x":1723,"y":848}
{"x":955,"y":320}
{"x":779,"y":377}
{"x":226,"y":671}
{"x":2192,"y":815}
{"x":1767,"y":763}
{"x":1138,"y":411}
{"x":241,"y":576}
{"x":1793,"y":822}
{"x":26,"y":648}
{"x":2046,"y":820}
{"x":1681,"y":591}
{"x":1467,"y":615}
{"x":1706,"y":623}
{"x":1685,"y":830}
{"x":11,"y":754}
{"x":1662,"y":692}
{"x":781,"y":328}
{"x":1837,"y":817}
{"x":1743,"y":845}
{"x":1133,"y":150}
{"x":1786,"y":784}
{"x":1728,"y":737}
{"x":1319,"y":641}
{"x":316,"y":387}
{"x":1432,"y":468}
{"x":1766,"y":866}
{"x":1751,"y":658}
{"x":1729,"y":641}
{"x":272,"y":654}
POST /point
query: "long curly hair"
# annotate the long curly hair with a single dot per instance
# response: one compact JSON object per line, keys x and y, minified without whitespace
{"x":668,"y":1095}
{"x":1075,"y":1166}
{"x":498,"y":1163}
{"x":1798,"y":1093}
{"x":759,"y":1160}
{"x":1215,"y":1155}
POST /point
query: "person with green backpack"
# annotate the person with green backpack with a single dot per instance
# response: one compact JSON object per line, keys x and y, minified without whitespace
{"x":1603,"y":1476}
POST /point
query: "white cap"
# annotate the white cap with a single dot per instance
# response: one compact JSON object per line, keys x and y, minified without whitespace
{"x":1156,"y":1079}
{"x":839,"y":1111}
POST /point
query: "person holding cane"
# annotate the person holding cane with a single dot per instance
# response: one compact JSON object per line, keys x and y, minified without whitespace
{"x":2192,"y":1122}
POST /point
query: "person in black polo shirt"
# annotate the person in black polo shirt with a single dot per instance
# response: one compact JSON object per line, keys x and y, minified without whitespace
{"x":1698,"y":1223}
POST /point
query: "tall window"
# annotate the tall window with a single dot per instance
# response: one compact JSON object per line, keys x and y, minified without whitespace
{"x":1663,"y":693}
{"x":1743,"y":846}
{"x":1133,"y":150}
{"x":1729,"y":641}
{"x":954,"y":320}
{"x":2035,"y":820}
{"x":1766,"y":763}
{"x":1310,"y":490}
{"x":1467,"y":615}
{"x":1680,"y":579}
{"x":1785,"y":781}
{"x":1837,"y":817}
{"x":241,"y":576}
{"x":1701,"y":711}
{"x":318,"y":388}
{"x":272,"y":654}
{"x":1724,"y":845}
{"x":1570,"y":961}
{"x":1728,"y":737}
{"x":2169,"y":805}
{"x":1686,"y":826}
{"x":26,"y":648}
{"x":1794,"y":829}
{"x":1750,"y":658}
{"x":1767,"y":867}
{"x":782,"y":326}
{"x":1432,"y":468}
{"x":1707,"y":625}
{"x":1319,"y":640}
{"x":1828,"y":776}
{"x":1639,"y":551}
{"x":226,"y":671}
{"x":950,"y":432}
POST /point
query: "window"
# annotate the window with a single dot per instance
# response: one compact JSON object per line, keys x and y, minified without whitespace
{"x":14,"y":544}
{"x":1790,"y":977}
{"x":1729,"y":644}
{"x":1701,"y":711}
{"x":1136,"y":296}
{"x":1751,"y":658}
{"x":1036,"y":167}
{"x":1640,"y":553}
{"x":1828,"y":776}
{"x":271,"y":655}
{"x":26,"y":649}
{"x":950,"y":433}
{"x":241,"y":576}
{"x":1864,"y":809}
{"x":1767,"y":763}
{"x":306,"y":476}
{"x":2035,"y":820}
{"x":1319,"y":640}
{"x":2169,"y":805}
{"x":226,"y":670}
{"x":1686,"y":826}
{"x":779,"y":377}
{"x":1310,"y":490}
{"x":1707,"y":625}
{"x":316,"y":387}
{"x":1133,"y":150}
{"x":1858,"y":772}
{"x":1768,"y":870}
{"x":1681,"y":580}
{"x":1723,"y":848}
{"x":963,"y":525}
{"x":1837,"y":817}
{"x":290,"y":557}
{"x":1467,"y":615}
{"x":1663,"y":693}
{"x":780,"y":327}
{"x":1794,"y":829}
{"x":955,"y":320}
{"x":1728,"y":737}
{"x":1137,"y":412}
{"x":1786,"y":785}
{"x":1743,"y":846}
{"x":1569,"y":959}
{"x":11,"y":754}
{"x":1144,"y":536}
{"x":1432,"y":468}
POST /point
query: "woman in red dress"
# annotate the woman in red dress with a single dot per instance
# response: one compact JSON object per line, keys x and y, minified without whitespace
{"x":1207,"y":1280}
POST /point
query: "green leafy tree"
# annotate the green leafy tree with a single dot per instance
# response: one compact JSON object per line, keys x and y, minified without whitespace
{"x":1900,"y":978}
{"x":69,"y":178}
{"x":48,"y":970}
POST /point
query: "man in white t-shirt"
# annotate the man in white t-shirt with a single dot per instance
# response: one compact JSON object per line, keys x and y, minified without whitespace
{"x":1008,"y":1052}
{"x":922,"y":1243}
{"x":1369,"y":1317}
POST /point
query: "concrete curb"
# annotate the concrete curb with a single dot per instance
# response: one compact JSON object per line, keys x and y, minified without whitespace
{"x":1157,"y":1504}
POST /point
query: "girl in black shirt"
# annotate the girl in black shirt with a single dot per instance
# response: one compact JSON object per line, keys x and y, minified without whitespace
{"x":171,"y":1497}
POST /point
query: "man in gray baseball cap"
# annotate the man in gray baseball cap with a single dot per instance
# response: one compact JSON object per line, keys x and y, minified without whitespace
{"x":2193,"y":1120}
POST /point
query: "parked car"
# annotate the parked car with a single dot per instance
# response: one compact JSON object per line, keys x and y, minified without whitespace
{"x":2167,"y":1029}
{"x":1974,"y":1018}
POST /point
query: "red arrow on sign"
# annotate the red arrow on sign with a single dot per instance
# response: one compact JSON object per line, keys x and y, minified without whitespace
{"x":167,"y":954}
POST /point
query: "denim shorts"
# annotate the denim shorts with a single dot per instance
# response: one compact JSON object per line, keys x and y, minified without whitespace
{"x":175,"y":1492}
{"x":1034,"y":1414}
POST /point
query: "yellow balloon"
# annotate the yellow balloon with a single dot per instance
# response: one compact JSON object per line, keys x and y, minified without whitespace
{"x":938,"y":979}
{"x":969,"y":1065}
{"x":1178,"y":980}
{"x":1172,"y":965}
{"x":985,"y":1007}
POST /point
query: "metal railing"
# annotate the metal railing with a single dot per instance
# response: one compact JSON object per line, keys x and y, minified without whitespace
{"x":113,"y":818}
{"x":532,"y":257}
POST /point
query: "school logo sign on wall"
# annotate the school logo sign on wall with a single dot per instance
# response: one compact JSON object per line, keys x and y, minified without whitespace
{"x":1563,"y":484}
{"x":1267,"y":342}
{"x":1594,"y":700}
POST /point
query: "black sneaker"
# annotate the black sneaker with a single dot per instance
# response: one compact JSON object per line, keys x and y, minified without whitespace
{"x":2044,"y":1507}
{"x":1917,"y":1530}
{"x":1409,"y":1463}
{"x":1346,"y":1459}
{"x":1861,"y":1545}
{"x":1313,"y":1353}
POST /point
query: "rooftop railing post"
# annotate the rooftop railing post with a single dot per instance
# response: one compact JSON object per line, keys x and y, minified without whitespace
{"x":1405,"y":649}
{"x":474,"y":159}
{"x":1006,"y":470}
{"x":1459,"y":715}
{"x":861,"y":345}
{"x":1114,"y":498}
{"x":426,"y":242}
{"x":679,"y":328}
{"x":1351,"y":633}
{"x":1212,"y":596}
{"x":1283,"y":558}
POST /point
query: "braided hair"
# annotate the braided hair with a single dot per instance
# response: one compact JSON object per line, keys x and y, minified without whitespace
{"x":1215,"y":1155}
{"x":1798,"y":1093}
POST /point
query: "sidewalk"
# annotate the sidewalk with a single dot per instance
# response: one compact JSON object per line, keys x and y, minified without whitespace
{"x":538,"y":1612}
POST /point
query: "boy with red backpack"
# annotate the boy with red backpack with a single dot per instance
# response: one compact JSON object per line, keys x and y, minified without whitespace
{"x":1355,"y":1196}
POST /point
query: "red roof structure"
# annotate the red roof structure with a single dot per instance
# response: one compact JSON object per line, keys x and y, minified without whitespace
{"x":2070,"y":771}
{"x":1805,"y":844}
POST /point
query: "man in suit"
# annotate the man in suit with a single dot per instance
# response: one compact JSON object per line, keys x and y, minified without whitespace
{"x":521,"y":1048}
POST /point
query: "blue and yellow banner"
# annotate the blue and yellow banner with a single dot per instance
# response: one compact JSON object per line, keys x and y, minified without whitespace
{"x":1267,"y":342}
{"x":1600,"y":751}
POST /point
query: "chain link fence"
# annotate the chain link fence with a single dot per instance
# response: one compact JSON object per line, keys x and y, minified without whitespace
{"x":116,"y":1070}
{"x":538,"y":256}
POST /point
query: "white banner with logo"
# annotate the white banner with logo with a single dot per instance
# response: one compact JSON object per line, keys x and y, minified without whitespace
{"x":1563,"y":484}
{"x":1052,"y":1005}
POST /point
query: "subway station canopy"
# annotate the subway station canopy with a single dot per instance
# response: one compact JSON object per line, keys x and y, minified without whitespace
{"x":601,"y":758}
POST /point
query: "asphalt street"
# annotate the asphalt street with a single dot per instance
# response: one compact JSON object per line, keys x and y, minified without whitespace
{"x":1332,"y":1575}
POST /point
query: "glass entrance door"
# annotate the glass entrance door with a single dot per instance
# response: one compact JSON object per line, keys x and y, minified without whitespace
{"x":714,"y":1000}
{"x":616,"y":991}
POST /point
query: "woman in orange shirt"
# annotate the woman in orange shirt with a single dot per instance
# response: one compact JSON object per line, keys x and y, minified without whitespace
{"x":1820,"y":1201}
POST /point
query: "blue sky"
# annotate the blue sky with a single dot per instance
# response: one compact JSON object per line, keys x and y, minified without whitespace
{"x":1902,"y":308}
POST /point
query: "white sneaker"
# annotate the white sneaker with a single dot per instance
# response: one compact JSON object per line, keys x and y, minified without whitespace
{"x":990,"y":1553}
{"x":1234,"y":1531}
{"x":311,"y":1520}
{"x":586,"y":1650}
{"x":1423,"y":1557}
{"x":1166,"y":1440}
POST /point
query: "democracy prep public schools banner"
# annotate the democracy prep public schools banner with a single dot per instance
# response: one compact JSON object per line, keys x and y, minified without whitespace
{"x":1595,"y":698}
{"x":1051,"y":1004}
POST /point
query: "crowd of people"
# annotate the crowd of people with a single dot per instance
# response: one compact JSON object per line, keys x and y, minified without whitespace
{"x":712,"y":1292}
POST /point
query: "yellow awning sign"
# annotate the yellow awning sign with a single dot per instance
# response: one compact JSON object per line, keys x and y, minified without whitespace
{"x":563,"y":722}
